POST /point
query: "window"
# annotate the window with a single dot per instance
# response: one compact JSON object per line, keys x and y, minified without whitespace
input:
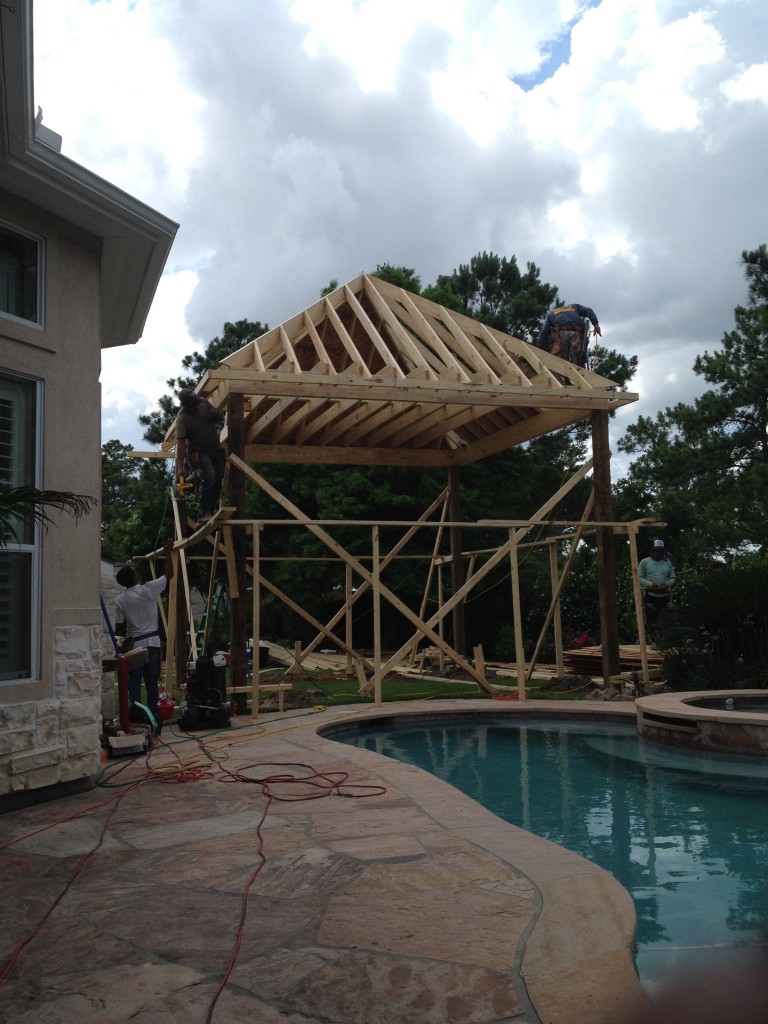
{"x":20,"y":275}
{"x":19,"y":592}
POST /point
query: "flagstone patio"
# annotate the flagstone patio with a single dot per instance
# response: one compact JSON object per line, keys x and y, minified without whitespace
{"x":403,"y":903}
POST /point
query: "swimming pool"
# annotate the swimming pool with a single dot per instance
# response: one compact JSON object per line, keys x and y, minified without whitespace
{"x":685,"y":833}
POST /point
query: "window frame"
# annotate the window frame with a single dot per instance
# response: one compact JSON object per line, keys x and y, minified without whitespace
{"x":30,"y":546}
{"x":39,"y":242}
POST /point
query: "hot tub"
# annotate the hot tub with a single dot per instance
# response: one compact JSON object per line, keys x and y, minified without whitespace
{"x":724,"y":721}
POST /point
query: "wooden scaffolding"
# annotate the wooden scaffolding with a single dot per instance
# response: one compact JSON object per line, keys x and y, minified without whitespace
{"x":373,"y":375}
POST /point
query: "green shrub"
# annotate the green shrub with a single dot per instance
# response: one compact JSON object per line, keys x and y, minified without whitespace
{"x":718,"y":638}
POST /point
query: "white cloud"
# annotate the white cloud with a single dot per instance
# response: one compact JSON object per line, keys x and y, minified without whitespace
{"x":302,"y":140}
{"x":750,"y":84}
{"x":134,"y":377}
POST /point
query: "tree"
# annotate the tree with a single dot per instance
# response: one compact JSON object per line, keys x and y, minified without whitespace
{"x":136,"y":514}
{"x":234,"y":336}
{"x":402,"y":277}
{"x":119,"y":495}
{"x":703,"y":468}
{"x":493,"y":289}
{"x":136,"y":493}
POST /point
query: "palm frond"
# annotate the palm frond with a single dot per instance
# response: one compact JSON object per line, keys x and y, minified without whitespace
{"x":30,"y":505}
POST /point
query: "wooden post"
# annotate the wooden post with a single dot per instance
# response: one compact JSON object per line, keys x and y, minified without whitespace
{"x":557,"y":619}
{"x":376,"y":574}
{"x":348,"y":620}
{"x":514,"y":572}
{"x":238,"y":669}
{"x":606,"y":555}
{"x":179,"y":621}
{"x":255,"y":621}
{"x":639,"y":612}
{"x":479,"y":659}
{"x":457,"y":576}
{"x":441,"y":623}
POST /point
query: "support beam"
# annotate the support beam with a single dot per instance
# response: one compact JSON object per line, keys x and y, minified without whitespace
{"x":238,"y":674}
{"x":457,"y":575}
{"x":606,"y":555}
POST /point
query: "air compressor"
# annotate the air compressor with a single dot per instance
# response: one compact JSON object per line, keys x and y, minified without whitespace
{"x":205,"y":706}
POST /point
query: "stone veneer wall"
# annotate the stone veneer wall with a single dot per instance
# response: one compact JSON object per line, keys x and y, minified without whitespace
{"x":47,"y":743}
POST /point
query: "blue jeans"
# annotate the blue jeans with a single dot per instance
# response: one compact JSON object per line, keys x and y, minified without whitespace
{"x":150,"y":673}
{"x":212,"y":466}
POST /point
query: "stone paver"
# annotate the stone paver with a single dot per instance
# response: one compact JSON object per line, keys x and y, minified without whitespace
{"x":411,"y":905}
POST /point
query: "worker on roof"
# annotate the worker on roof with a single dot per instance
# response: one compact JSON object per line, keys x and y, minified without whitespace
{"x":563,"y":333}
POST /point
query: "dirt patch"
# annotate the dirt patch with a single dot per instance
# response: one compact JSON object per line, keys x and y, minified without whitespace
{"x":565,"y":684}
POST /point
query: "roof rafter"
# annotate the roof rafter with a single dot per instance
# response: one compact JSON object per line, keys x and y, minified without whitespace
{"x":373,"y":374}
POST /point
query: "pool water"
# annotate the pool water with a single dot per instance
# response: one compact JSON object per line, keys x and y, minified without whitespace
{"x":685,"y":833}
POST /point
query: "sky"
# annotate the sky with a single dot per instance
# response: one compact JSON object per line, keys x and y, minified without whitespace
{"x":621,"y":145}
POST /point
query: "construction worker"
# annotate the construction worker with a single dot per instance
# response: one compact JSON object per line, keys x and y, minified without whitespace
{"x":657,"y":577}
{"x":563,"y":332}
{"x":136,"y":617}
{"x":198,"y":443}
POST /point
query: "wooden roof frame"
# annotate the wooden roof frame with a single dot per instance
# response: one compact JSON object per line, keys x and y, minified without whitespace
{"x":371,"y":374}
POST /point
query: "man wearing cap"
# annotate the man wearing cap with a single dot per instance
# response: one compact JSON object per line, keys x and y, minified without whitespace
{"x":657,"y":577}
{"x":197,"y":439}
{"x":563,"y":332}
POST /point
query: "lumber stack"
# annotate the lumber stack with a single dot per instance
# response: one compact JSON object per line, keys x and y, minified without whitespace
{"x":588,"y":661}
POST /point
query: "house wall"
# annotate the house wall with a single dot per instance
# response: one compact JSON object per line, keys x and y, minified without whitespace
{"x":50,"y":726}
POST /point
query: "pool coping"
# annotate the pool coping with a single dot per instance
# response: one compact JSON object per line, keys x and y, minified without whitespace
{"x":675,"y":720}
{"x":681,"y":705}
{"x":575,"y":959}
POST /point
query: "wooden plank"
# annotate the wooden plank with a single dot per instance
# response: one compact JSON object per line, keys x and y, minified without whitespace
{"x":290,"y":355}
{"x":428,"y":325}
{"x":351,"y":456}
{"x":558,"y":584}
{"x":269,"y":585}
{"x":376,"y":388}
{"x":255,"y":617}
{"x":343,"y":335}
{"x":352,"y":598}
{"x":517,"y":616}
{"x":357,"y":566}
{"x":214,"y":523}
{"x":484,"y":569}
{"x":322,"y":352}
{"x":639,"y":612}
{"x":420,"y":354}
{"x":376,"y":338}
{"x":527,"y":429}
{"x":229,"y":554}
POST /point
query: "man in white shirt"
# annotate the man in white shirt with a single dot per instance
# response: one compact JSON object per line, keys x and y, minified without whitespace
{"x":136,"y":617}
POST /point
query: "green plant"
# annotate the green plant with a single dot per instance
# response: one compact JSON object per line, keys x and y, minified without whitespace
{"x":29,"y":505}
{"x":719,"y":637}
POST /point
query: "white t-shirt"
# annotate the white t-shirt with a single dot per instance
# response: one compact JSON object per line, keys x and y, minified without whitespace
{"x":137,"y":608}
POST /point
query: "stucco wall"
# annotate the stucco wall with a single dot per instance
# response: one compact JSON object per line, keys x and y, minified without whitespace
{"x":49,"y":726}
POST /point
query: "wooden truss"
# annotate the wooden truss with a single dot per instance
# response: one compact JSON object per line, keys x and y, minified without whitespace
{"x":371,"y":374}
{"x":374,"y":375}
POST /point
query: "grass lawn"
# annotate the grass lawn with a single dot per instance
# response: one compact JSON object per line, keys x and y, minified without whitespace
{"x":344,"y":691}
{"x":336,"y":691}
